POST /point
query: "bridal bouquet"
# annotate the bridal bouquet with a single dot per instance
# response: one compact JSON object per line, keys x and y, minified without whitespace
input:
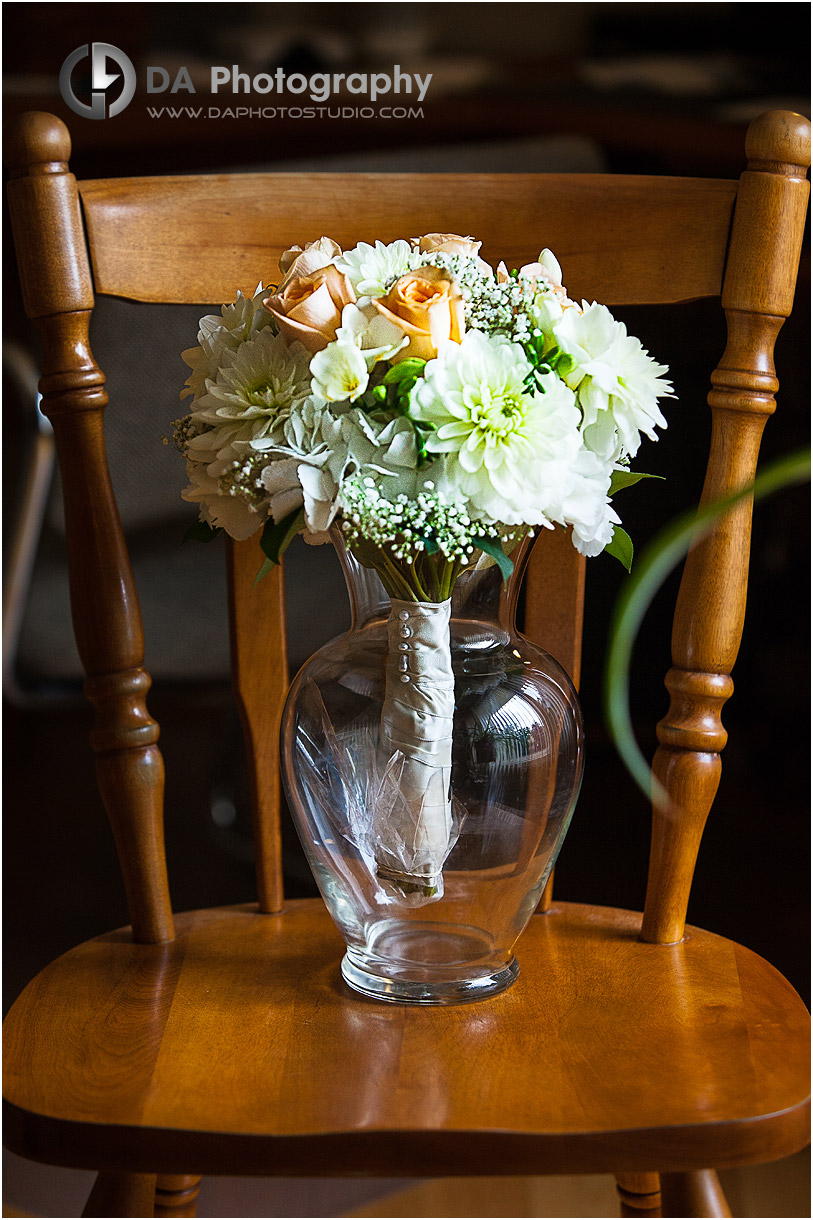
{"x":435,"y":410}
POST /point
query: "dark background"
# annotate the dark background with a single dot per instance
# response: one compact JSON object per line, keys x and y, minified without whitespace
{"x":650,"y":88}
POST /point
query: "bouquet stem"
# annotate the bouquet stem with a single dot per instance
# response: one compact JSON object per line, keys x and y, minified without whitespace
{"x":412,"y":820}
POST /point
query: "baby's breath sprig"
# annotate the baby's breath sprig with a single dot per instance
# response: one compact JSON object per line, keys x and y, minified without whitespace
{"x":183,"y":430}
{"x":243,"y":479}
{"x":418,"y":546}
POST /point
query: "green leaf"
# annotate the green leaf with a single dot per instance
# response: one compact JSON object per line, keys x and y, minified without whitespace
{"x":564,"y":364}
{"x":628,"y":478}
{"x":266,"y":567}
{"x":199,"y":531}
{"x":493,"y":548}
{"x":277,"y":535}
{"x":405,"y":368}
{"x":430,"y":546}
{"x":620,"y":546}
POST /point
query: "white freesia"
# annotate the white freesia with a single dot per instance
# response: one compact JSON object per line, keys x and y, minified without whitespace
{"x":617,"y":381}
{"x":218,"y":336}
{"x":551,"y":264}
{"x":371,"y":269}
{"x":510,"y":450}
{"x":374,"y":335}
{"x":339,"y":372}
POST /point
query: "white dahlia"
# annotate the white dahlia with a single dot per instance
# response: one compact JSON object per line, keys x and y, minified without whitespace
{"x":511,"y":450}
{"x":617,"y":381}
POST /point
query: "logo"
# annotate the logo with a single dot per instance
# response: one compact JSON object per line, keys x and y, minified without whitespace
{"x":100,"y":53}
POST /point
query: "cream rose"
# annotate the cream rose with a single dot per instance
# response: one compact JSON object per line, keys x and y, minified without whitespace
{"x":316,"y":254}
{"x":309,"y":307}
{"x":428,"y":307}
{"x":448,"y":243}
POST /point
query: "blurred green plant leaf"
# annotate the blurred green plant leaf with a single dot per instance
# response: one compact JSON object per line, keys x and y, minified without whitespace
{"x":658,"y":559}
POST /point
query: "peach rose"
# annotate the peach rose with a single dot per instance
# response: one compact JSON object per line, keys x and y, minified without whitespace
{"x":428,"y":307}
{"x":309,"y":307}
{"x":296,"y":261}
{"x":448,"y":243}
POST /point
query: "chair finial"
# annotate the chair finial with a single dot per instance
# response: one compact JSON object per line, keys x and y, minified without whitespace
{"x":36,"y":139}
{"x":779,"y":137}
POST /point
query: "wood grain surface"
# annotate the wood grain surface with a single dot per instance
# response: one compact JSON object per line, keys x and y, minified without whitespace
{"x":240,"y":1044}
{"x":620,"y":240}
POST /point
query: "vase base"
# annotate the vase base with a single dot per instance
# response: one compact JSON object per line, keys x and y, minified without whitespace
{"x":426,"y":964}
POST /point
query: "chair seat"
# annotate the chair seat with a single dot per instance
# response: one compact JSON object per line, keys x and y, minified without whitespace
{"x":239,"y":1049}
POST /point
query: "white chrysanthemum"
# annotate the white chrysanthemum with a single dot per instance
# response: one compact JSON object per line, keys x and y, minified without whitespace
{"x":371,"y":269}
{"x":253,"y":395}
{"x":617,"y":381}
{"x":248,"y":400}
{"x":219,"y":336}
{"x":511,"y":450}
{"x":237,"y":515}
{"x":321,"y":448}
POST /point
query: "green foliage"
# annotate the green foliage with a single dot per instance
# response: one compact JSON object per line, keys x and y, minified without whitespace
{"x":628,"y":478}
{"x":406,"y":370}
{"x":620,"y":547}
{"x":545,"y":356}
{"x":199,"y":531}
{"x":277,"y":535}
{"x":493,"y":548}
{"x":394,"y":393}
{"x":399,"y":382}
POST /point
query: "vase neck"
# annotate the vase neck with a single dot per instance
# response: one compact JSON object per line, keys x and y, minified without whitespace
{"x":368,"y":598}
{"x":482,"y":595}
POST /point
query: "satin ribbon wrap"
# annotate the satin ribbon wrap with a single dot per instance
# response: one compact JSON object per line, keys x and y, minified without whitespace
{"x":412,"y":819}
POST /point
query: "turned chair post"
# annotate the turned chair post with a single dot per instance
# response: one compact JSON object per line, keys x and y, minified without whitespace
{"x":757,"y":297}
{"x":45,"y":212}
{"x":639,"y":1194}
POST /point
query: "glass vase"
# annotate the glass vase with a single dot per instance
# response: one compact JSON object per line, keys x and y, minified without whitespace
{"x":432,"y":861}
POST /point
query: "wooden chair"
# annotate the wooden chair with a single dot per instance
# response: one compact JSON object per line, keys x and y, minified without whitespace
{"x":223,"y":1040}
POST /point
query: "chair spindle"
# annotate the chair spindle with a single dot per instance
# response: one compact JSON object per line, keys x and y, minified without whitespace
{"x":639,"y":1193}
{"x":757,"y":297}
{"x":260,"y":681}
{"x":176,"y":1194}
{"x":104,"y":604}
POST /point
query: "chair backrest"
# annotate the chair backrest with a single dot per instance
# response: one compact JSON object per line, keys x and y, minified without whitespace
{"x":622,"y":240}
